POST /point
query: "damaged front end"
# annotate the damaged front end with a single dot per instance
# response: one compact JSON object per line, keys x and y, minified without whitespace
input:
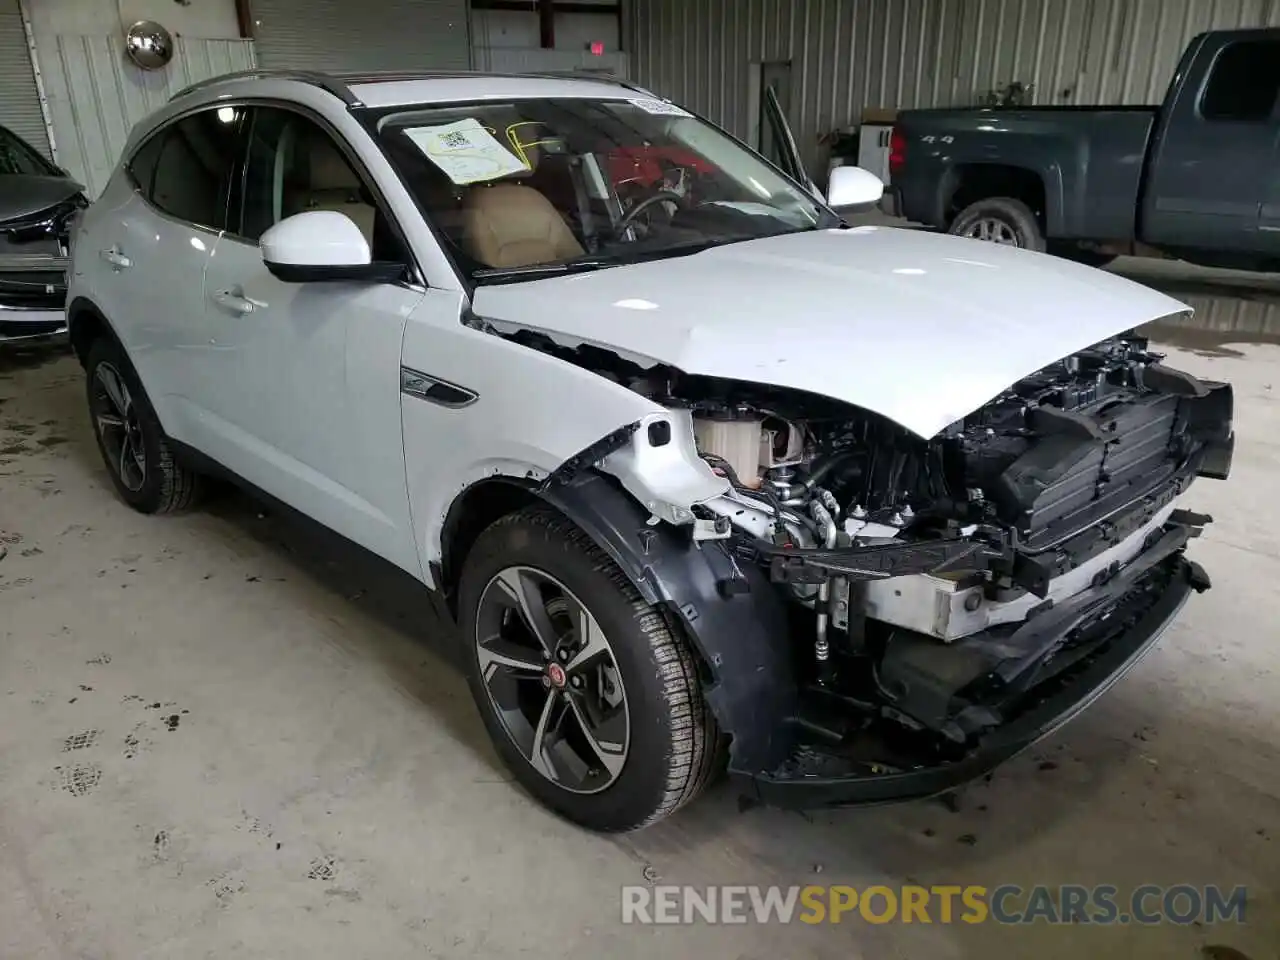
{"x":34,"y":260}
{"x":884,"y":616}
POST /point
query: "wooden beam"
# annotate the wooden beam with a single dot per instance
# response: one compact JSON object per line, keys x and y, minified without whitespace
{"x":560,"y":6}
{"x":547,"y":23}
{"x":244,"y":19}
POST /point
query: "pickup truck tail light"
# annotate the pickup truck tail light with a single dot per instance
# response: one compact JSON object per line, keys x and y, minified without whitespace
{"x":897,"y":152}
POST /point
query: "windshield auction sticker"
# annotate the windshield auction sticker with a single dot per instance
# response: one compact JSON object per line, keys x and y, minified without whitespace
{"x":660,"y":108}
{"x":465,"y":151}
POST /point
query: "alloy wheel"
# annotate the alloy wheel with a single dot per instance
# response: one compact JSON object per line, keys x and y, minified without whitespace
{"x":993,"y":231}
{"x":552,"y":679}
{"x":115,"y":417}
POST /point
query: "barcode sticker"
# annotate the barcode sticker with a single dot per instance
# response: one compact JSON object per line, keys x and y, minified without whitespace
{"x":660,"y":108}
{"x":465,"y":151}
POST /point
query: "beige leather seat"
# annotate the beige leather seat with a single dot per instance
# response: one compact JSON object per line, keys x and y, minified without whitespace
{"x":333,"y":185}
{"x":508,"y":224}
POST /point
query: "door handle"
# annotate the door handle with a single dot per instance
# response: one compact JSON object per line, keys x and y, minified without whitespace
{"x":237,"y":302}
{"x":114,"y":257}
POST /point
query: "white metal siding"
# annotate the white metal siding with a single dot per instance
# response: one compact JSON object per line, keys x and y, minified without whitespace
{"x":340,"y":35}
{"x":19,"y":99}
{"x":96,"y":95}
{"x":851,"y":54}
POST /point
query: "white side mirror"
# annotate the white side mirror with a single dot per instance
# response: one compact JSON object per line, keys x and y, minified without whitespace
{"x":853,"y":187}
{"x":321,"y":245}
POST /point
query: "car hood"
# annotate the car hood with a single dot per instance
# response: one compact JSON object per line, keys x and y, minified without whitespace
{"x":23,"y":196}
{"x":921,"y":328}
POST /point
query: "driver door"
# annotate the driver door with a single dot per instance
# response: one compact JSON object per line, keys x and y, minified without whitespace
{"x":304,"y":401}
{"x":781,"y":147}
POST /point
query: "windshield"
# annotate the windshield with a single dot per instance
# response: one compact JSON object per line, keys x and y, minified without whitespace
{"x":16,"y":158}
{"x":527,"y":187}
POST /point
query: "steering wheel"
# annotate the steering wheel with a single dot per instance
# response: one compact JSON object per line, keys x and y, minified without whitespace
{"x":629,"y":217}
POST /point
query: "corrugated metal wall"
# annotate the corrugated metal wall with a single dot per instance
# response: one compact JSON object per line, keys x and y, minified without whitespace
{"x":850,"y":54}
{"x":340,"y":35}
{"x":96,"y":95}
{"x":20,"y":99}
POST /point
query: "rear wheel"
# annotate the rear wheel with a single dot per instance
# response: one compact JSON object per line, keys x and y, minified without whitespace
{"x":1002,"y":220}
{"x":133,"y":446}
{"x":592,"y":701}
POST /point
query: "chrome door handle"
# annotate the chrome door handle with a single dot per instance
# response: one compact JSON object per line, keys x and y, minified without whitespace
{"x":114,"y":257}
{"x":237,"y":302}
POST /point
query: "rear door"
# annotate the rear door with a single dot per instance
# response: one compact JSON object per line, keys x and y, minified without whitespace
{"x":1215,"y":163}
{"x":155,"y":228}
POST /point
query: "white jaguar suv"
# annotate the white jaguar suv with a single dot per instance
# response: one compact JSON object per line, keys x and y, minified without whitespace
{"x":706,"y":476}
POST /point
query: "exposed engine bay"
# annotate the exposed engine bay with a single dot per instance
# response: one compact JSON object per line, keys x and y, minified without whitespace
{"x":936,"y":583}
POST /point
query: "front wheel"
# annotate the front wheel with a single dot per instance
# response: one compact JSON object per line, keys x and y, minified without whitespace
{"x":592,"y":700}
{"x":1002,"y":220}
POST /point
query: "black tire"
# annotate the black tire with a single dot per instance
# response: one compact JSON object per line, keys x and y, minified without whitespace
{"x":1013,"y":216}
{"x":1086,"y":255}
{"x":672,"y":745}
{"x":142,"y":468}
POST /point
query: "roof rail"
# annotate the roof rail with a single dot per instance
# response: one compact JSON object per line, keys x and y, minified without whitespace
{"x":323,"y":80}
{"x":339,"y":83}
{"x":381,"y":76}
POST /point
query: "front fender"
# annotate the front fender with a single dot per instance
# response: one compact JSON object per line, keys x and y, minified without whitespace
{"x":734,"y":618}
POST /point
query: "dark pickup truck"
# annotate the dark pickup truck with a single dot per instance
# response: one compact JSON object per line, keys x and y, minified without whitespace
{"x":1196,"y":178}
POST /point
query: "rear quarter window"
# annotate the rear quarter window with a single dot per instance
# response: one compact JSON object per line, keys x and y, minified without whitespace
{"x":185,"y":170}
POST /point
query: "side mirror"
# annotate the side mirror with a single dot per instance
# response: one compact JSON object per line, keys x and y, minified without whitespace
{"x":853,"y":187}
{"x":322,"y":245}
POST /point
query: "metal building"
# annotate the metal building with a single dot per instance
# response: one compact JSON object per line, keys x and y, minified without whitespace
{"x":831,"y":59}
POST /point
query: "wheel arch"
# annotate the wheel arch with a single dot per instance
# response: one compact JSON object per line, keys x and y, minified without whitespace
{"x":85,"y":324}
{"x":967,"y":183}
{"x":472,"y":511}
{"x":732,"y":617}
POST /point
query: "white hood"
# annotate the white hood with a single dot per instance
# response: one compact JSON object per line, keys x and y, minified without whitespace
{"x":921,"y":328}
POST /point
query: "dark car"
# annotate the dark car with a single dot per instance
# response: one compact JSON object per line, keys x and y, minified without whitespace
{"x":1193,"y":178}
{"x":38,"y":202}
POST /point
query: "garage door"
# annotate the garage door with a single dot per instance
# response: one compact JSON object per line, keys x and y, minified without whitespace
{"x":19,"y":99}
{"x":342,"y":35}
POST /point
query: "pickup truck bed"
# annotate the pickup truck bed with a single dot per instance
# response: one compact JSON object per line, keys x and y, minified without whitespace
{"x":1084,"y":164}
{"x":1194,"y":178}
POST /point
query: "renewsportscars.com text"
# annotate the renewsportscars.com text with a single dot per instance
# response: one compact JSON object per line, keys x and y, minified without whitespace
{"x":942,"y":904}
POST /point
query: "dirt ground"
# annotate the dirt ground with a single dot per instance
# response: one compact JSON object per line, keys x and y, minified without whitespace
{"x":229,"y":735}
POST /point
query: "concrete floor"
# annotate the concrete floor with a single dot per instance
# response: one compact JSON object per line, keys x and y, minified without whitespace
{"x":224,"y":735}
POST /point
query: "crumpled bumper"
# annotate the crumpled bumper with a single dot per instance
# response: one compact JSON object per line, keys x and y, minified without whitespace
{"x":812,"y":778}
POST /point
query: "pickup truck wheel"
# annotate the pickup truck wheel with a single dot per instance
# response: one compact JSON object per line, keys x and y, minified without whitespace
{"x":133,"y":445}
{"x":1001,"y":220}
{"x":592,"y":700}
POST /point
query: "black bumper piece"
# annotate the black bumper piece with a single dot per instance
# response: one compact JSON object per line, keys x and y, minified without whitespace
{"x":806,"y":784}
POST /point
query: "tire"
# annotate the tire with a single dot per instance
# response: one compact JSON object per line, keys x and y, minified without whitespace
{"x":669,"y":740}
{"x":134,"y":449}
{"x":1074,"y":251}
{"x":1002,"y":216}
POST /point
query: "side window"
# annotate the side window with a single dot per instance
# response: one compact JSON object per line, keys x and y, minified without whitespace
{"x":1244,"y":83}
{"x":190,"y":172}
{"x":142,"y":167}
{"x":294,"y":166}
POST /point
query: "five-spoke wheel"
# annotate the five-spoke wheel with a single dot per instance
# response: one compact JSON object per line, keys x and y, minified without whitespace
{"x":553,"y":679}
{"x":134,"y":447}
{"x":116,"y":419}
{"x":592,"y":698}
